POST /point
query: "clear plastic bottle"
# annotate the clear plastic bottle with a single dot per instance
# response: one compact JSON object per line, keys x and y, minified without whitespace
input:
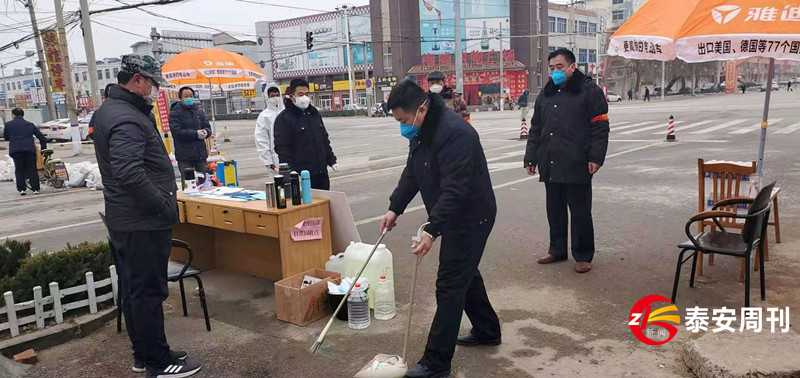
{"x":384,"y":300}
{"x":358,"y":309}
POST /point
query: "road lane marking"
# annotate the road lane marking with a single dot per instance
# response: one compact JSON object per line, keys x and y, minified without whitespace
{"x":685,"y":127}
{"x":789,"y":129}
{"x":614,"y":129}
{"x":757,"y":126}
{"x":720,"y":127}
{"x":50,"y":229}
{"x":664,"y":127}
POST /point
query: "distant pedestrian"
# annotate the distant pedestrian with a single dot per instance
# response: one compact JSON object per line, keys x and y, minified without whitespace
{"x":568,"y":143}
{"x":190,"y":128}
{"x":265,"y":129}
{"x":452,"y":100}
{"x":141,"y":210}
{"x":523,"y":104}
{"x":446,"y":165}
{"x":743,"y":87}
{"x":646,"y":94}
{"x":19,"y":133}
{"x":789,"y":86}
{"x":301,"y":139}
{"x":630,"y":94}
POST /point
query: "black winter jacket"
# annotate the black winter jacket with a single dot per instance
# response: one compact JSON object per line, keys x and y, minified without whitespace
{"x":523,"y":100}
{"x":446,"y":164}
{"x":184,"y":121}
{"x":301,"y":139}
{"x":569,"y":129}
{"x":137,"y":174}
{"x":19,"y":133}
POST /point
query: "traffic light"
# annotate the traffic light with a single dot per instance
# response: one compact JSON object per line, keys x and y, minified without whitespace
{"x":309,"y":38}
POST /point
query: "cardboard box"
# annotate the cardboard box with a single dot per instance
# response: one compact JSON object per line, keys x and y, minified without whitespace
{"x":304,"y":306}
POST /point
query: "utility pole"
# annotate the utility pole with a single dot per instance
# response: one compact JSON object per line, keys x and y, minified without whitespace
{"x":366,"y":77}
{"x":155,"y":45}
{"x":663,"y":79}
{"x":48,"y":94}
{"x":345,"y":9}
{"x":502,"y":91}
{"x":459,"y":62}
{"x":88,"y":43}
{"x":571,"y":24}
{"x":5,"y":86}
{"x":72,"y":109}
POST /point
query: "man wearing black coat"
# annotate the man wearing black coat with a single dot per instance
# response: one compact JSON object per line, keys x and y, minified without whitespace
{"x":447,"y":166}
{"x":301,"y":139}
{"x":190,"y":128}
{"x":19,"y":133}
{"x":141,"y":209}
{"x":568,"y":142}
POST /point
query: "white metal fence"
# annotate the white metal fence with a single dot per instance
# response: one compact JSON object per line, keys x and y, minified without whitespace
{"x":58,"y":308}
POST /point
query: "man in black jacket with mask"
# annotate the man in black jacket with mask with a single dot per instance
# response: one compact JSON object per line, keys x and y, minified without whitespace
{"x":301,"y":139}
{"x":568,"y":142}
{"x":446,"y":164}
{"x":141,"y":209}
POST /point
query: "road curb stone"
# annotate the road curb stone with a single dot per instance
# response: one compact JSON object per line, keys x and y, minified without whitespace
{"x":748,"y":354}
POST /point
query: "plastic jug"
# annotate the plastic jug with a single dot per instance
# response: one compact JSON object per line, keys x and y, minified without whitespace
{"x":384,"y":300}
{"x":381,"y":264}
{"x":358,"y":309}
{"x":336,"y":264}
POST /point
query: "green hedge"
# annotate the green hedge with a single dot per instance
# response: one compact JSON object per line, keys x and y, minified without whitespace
{"x":67,"y":267}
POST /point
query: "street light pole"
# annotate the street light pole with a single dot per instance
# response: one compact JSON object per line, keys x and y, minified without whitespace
{"x":72,"y":108}
{"x":663,"y":79}
{"x":91,"y":60}
{"x":345,"y":9}
{"x":48,"y":94}
{"x":459,"y":62}
{"x":502,"y":92}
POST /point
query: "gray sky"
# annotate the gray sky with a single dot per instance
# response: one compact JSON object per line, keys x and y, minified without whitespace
{"x":232,"y":16}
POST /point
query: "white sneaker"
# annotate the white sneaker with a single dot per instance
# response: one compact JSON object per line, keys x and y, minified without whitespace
{"x":22,"y":193}
{"x":35,"y":192}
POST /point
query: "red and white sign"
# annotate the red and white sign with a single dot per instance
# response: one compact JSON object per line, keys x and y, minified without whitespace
{"x":85,"y":102}
{"x":161,"y":111}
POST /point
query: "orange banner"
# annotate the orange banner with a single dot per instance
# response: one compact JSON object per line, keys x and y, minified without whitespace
{"x":52,"y":50}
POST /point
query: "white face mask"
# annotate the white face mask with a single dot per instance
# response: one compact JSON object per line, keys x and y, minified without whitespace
{"x":303,"y":102}
{"x":153,"y":93}
{"x":274,"y":101}
{"x":436,"y":88}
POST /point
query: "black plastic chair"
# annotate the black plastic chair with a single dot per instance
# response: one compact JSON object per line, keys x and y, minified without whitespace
{"x":723,"y":243}
{"x":176,"y":272}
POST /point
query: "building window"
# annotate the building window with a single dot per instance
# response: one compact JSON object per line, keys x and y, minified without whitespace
{"x":583,"y":27}
{"x":551,"y":48}
{"x":592,"y":28}
{"x":85,"y":76}
{"x":582,"y":55}
{"x":38,"y":83}
{"x":592,"y":56}
{"x":325,"y":102}
{"x":362,"y":98}
{"x":108,"y":74}
{"x":617,"y":15}
{"x":3,"y":86}
{"x":617,"y":1}
{"x":552,"y":22}
{"x":77,"y":78}
{"x":19,"y":85}
{"x":116,"y":71}
{"x":562,"y":25}
{"x":99,"y":74}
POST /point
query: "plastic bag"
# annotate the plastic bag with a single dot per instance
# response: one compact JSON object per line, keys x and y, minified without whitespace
{"x":384,"y":366}
{"x":7,"y":170}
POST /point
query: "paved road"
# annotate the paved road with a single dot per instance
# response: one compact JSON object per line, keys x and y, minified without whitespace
{"x":555,"y":322}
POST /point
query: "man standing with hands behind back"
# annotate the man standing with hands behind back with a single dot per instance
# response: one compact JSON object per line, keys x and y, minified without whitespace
{"x":301,"y":139}
{"x":447,"y":166}
{"x":568,"y":142}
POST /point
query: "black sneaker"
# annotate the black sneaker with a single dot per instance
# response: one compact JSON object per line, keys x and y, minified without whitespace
{"x":175,"y":369}
{"x":138,"y":364}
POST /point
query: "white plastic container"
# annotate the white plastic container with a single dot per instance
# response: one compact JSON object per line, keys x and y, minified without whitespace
{"x":384,"y":300}
{"x":380,"y":265}
{"x":336,"y":264}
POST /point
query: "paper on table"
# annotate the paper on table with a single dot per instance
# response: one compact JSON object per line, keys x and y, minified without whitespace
{"x":309,"y":229}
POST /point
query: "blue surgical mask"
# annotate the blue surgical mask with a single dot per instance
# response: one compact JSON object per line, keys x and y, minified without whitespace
{"x":558,"y":76}
{"x":410,"y":131}
{"x":189,"y":101}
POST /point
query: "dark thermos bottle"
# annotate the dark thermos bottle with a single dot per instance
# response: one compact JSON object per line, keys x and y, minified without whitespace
{"x":280,"y":192}
{"x":283,"y":170}
{"x":295,"y":179}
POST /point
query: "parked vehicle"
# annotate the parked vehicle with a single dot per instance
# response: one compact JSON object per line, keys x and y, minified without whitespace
{"x":61,"y":130}
{"x":354,"y":107}
{"x":613,"y":97}
{"x":775,"y":87}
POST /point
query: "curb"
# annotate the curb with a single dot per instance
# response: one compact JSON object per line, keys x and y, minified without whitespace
{"x":58,"y":334}
{"x":722,"y":355}
{"x":11,"y":368}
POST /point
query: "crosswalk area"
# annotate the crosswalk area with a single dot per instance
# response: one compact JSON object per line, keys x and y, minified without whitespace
{"x":737,"y":126}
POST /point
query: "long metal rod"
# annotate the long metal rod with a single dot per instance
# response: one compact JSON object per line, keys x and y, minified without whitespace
{"x":764,"y":123}
{"x":48,"y":93}
{"x":410,"y":309}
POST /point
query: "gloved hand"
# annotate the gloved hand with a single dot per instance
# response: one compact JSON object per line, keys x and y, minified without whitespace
{"x":202,"y":134}
{"x":335,"y":168}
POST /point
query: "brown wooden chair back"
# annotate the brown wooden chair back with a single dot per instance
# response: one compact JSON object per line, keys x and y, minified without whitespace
{"x":726,"y":179}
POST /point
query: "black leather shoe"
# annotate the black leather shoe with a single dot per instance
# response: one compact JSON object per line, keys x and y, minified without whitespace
{"x":420,"y":371}
{"x":472,"y":340}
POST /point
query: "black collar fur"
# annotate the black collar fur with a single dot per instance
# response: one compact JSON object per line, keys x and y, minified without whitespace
{"x":432,"y":118}
{"x":574,"y":84}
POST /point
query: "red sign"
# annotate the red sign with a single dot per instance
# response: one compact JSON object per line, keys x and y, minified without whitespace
{"x":428,"y":60}
{"x":85,"y":102}
{"x":161,"y":111}
{"x":444,"y":59}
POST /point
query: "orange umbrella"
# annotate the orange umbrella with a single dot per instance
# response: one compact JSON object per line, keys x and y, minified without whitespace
{"x":710,"y":30}
{"x":212,"y":69}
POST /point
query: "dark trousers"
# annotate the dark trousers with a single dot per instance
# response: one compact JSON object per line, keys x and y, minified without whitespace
{"x":25,"y":168}
{"x":197,"y":165}
{"x":459,"y":288}
{"x":646,"y":97}
{"x":141,"y":262}
{"x":321,"y":181}
{"x":578,"y":198}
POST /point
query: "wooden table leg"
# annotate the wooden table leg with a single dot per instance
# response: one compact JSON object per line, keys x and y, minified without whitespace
{"x":766,"y":246}
{"x":699,"y":263}
{"x":777,"y":222}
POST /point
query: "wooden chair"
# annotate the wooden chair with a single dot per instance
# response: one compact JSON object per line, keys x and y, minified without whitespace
{"x":726,"y":182}
{"x":722,"y":242}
